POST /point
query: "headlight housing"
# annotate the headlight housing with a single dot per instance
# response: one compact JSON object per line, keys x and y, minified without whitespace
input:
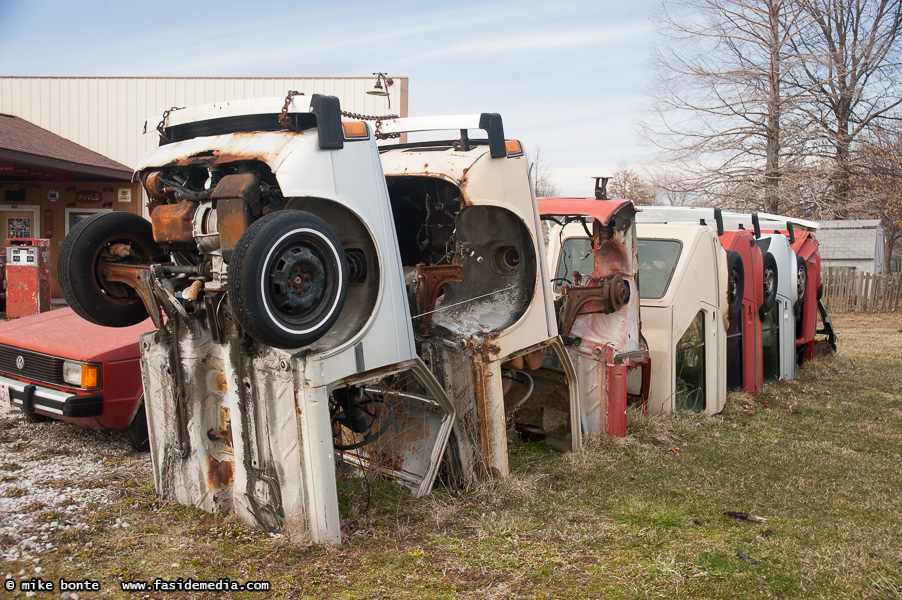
{"x":82,"y":375}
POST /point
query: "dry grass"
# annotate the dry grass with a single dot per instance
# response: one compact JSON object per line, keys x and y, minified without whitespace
{"x":819,"y":457}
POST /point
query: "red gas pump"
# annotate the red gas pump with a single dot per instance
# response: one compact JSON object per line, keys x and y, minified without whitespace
{"x":27,"y":277}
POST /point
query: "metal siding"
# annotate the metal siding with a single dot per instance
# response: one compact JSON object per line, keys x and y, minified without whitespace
{"x":107,"y":115}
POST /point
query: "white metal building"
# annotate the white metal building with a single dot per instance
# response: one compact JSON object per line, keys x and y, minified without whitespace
{"x":109,"y":114}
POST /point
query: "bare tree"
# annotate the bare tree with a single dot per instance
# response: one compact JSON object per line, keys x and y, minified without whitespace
{"x":627,"y":184}
{"x":545,"y":187}
{"x":848,"y":75}
{"x":877,"y":183}
{"x":720,"y":111}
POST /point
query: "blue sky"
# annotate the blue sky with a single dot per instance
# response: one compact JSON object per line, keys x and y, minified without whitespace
{"x":567,"y":76}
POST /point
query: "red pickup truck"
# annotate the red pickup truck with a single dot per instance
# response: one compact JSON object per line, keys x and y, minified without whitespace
{"x":57,"y":365}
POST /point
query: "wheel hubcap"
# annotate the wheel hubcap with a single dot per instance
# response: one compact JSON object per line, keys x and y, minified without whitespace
{"x":768,"y":283}
{"x":803,"y":280}
{"x":298,"y":281}
{"x":734,"y":286}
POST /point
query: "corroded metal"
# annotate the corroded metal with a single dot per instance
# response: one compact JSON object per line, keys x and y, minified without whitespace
{"x":172,"y":222}
{"x":139,"y":278}
{"x":434,"y":279}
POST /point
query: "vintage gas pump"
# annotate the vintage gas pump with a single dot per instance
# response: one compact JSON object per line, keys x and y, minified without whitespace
{"x":27,"y":277}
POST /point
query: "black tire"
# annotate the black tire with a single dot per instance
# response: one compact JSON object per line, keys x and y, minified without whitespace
{"x":735,"y":284}
{"x":137,"y":431}
{"x":802,"y":279}
{"x":99,"y":301}
{"x":770,"y":277}
{"x":271,"y":307}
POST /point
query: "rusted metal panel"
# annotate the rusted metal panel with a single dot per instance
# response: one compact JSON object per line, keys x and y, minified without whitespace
{"x":172,"y":222}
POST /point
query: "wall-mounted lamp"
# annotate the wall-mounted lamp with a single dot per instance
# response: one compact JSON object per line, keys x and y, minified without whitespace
{"x":380,"y":88}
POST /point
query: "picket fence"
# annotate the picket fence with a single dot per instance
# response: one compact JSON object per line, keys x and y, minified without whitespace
{"x":849,"y":289}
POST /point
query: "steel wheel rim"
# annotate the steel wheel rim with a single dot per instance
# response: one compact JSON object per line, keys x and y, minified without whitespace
{"x":802,"y":280}
{"x":769,"y":283}
{"x":734,"y":286}
{"x":300,"y":281}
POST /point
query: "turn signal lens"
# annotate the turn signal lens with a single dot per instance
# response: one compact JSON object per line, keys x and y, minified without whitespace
{"x":355,"y":129}
{"x":513,"y":148}
{"x":90,"y":376}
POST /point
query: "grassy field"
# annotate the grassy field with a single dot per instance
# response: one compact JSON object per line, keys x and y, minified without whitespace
{"x":820,"y":458}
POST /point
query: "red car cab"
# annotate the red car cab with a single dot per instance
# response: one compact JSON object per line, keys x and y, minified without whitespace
{"x":57,"y":365}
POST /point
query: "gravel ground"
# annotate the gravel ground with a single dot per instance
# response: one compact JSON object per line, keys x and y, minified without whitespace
{"x":53,"y":477}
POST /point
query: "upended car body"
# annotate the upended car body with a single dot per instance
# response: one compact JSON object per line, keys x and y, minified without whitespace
{"x":801,"y":235}
{"x":287,"y":346}
{"x":470,"y":243}
{"x":57,"y":365}
{"x":290,"y":343}
{"x":751,"y":289}
{"x":592,"y":256}
{"x":683,"y":301}
{"x":778,"y":325}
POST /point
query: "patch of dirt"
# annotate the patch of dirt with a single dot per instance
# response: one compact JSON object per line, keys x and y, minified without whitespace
{"x":48,"y":480}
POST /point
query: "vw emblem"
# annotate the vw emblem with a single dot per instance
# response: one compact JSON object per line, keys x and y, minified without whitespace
{"x":20,"y":362}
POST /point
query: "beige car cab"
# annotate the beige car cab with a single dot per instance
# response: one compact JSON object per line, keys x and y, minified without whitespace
{"x":683,"y":303}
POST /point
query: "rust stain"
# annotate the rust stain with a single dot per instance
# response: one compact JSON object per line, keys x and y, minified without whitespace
{"x":225,"y":421}
{"x":434,"y":279}
{"x":220,"y":382}
{"x":220,"y":473}
{"x":489,"y":347}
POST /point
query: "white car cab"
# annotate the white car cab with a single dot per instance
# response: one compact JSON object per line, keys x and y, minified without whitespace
{"x":470,"y":244}
{"x":683,"y":302}
{"x":287,"y":344}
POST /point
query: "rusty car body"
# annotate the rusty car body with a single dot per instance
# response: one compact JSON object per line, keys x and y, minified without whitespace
{"x":471,"y":246}
{"x":592,"y":255}
{"x":287,"y":346}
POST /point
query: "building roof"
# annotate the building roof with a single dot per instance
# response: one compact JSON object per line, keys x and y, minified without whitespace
{"x":24,"y":144}
{"x":850,"y":239}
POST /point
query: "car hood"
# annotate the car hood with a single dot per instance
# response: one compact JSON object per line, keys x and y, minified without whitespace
{"x":63,"y":333}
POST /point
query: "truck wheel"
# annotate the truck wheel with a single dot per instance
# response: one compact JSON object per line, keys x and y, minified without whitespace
{"x":93,"y":298}
{"x":288,"y":278}
{"x":736,"y":283}
{"x":803,"y":276}
{"x":137,"y":430}
{"x":771,"y":277}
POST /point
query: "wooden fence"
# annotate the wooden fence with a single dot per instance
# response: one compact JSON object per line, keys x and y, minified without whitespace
{"x":848,"y":289}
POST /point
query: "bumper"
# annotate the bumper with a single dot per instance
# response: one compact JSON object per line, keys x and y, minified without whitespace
{"x":30,"y":397}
